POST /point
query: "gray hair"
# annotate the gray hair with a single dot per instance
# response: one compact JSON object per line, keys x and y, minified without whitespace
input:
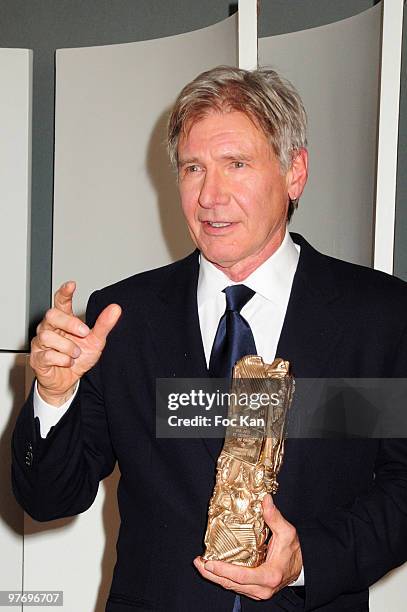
{"x":263,"y":95}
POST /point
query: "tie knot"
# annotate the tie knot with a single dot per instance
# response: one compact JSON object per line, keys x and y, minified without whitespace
{"x":237,"y":296}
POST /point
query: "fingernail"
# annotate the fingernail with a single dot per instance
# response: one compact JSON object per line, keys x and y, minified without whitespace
{"x":209,"y":566}
{"x":76,"y":352}
{"x":83,"y":329}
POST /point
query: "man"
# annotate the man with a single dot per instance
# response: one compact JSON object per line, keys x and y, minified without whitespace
{"x":238,"y":141}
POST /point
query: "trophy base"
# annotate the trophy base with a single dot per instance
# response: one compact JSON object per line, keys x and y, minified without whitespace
{"x":239,"y":556}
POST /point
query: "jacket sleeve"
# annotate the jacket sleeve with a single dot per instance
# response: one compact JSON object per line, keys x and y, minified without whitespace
{"x":348,"y":550}
{"x":59,"y":475}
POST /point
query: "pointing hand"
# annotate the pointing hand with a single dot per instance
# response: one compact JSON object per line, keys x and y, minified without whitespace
{"x":65,"y":348}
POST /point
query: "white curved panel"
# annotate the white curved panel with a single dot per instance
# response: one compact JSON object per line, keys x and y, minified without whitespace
{"x":116,"y":204}
{"x":116,"y":213}
{"x":15,"y":192}
{"x":336,"y":69}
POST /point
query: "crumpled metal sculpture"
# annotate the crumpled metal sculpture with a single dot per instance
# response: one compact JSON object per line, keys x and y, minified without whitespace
{"x":249,"y":463}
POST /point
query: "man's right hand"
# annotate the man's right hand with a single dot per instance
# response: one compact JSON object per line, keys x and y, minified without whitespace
{"x":65,"y":348}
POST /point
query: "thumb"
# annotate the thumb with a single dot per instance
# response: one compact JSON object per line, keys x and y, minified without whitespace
{"x":106,"y":321}
{"x":271,"y":514}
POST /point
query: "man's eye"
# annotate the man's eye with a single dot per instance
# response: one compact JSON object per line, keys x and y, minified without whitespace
{"x":238,"y":164}
{"x":192,"y":168}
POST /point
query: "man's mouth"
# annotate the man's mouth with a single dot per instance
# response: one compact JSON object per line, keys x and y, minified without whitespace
{"x":218,"y":223}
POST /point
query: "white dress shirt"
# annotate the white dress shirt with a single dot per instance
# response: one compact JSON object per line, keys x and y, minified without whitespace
{"x":265,"y":313}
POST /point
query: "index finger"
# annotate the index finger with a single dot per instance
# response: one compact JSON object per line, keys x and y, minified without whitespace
{"x":63,"y":297}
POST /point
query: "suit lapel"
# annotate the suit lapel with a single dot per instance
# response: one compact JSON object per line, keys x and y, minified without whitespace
{"x":311,"y":328}
{"x":175,"y":323}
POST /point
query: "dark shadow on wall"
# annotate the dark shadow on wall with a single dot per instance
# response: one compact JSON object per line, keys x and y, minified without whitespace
{"x":164,"y":181}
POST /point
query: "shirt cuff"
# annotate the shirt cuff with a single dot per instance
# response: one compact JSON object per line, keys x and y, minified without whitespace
{"x":300,"y":580}
{"x":49,"y":415}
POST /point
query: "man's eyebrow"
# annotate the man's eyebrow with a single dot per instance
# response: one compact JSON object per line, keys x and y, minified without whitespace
{"x":229,"y":156}
{"x":238,"y":155}
{"x":188,"y":160}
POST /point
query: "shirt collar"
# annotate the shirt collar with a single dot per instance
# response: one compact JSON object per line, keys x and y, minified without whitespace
{"x":273,"y":279}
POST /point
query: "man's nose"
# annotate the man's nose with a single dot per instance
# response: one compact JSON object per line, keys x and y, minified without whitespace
{"x":213,"y":189}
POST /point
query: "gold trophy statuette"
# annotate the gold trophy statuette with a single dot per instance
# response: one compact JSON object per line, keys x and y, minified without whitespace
{"x":250,"y":460}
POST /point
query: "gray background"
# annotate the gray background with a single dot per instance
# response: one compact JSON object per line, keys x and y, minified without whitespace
{"x":46,"y":25}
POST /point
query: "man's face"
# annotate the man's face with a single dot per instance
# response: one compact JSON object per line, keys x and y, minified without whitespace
{"x":233,"y":194}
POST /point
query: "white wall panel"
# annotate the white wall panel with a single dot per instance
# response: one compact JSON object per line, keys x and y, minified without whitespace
{"x":75,"y":555}
{"x":116,"y":213}
{"x":248,"y":37}
{"x":116,"y":204}
{"x":12,"y":374}
{"x":390,"y":592}
{"x":392,"y":37}
{"x":15,"y":189}
{"x":336,"y":69}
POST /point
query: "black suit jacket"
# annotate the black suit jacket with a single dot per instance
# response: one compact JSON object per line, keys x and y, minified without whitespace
{"x":347,"y":498}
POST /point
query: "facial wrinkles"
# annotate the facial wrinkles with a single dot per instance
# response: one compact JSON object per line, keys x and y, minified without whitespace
{"x":214,"y":157}
{"x":250,"y":198}
{"x":217,"y":145}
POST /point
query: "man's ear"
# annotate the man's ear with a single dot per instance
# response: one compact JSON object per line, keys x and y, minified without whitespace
{"x":297,"y":174}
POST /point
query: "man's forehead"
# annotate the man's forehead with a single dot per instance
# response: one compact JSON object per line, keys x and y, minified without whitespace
{"x":221,"y":114}
{"x":220,"y":126}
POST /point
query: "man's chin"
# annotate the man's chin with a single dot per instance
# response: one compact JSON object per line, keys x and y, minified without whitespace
{"x":219,"y":259}
{"x":222,"y":262}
